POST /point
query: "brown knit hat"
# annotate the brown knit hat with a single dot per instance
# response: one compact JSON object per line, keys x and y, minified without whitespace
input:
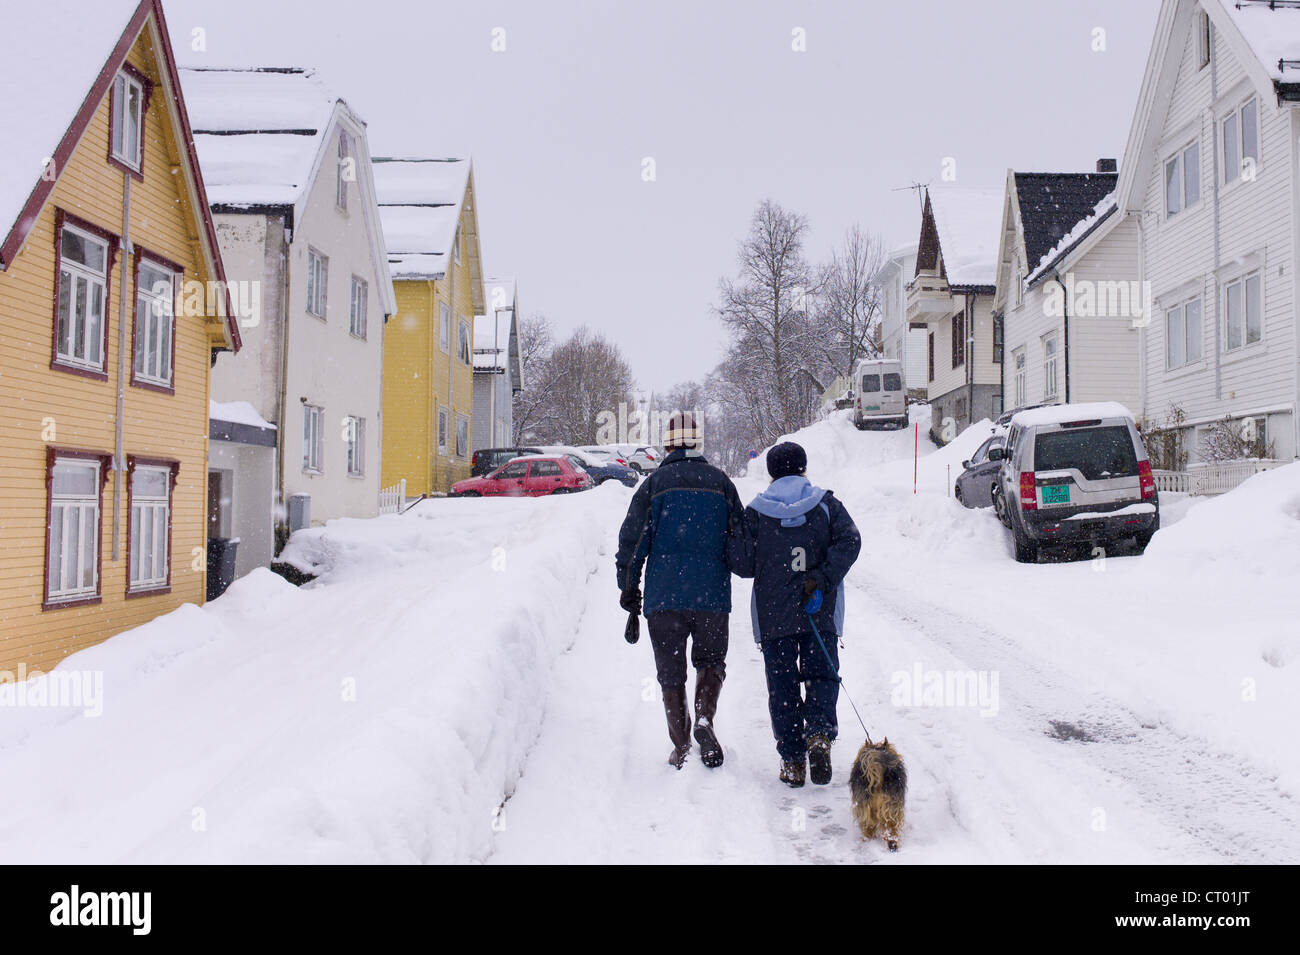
{"x":681,"y":432}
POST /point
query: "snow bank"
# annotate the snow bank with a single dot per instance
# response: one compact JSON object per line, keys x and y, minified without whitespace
{"x":380,"y":714}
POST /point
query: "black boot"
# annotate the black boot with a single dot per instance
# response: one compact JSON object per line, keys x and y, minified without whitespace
{"x":708,"y":686}
{"x":819,"y":758}
{"x":679,"y":725}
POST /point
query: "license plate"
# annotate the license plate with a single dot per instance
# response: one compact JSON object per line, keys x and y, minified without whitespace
{"x":873,"y":407}
{"x":1056,"y":494}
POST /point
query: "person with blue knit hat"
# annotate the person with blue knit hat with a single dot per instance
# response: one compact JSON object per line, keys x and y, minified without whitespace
{"x":797,"y":539}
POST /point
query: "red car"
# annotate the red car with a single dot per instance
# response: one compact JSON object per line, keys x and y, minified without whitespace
{"x":526,"y":477}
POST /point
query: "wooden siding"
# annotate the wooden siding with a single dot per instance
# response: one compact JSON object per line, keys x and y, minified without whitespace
{"x":47,"y":407}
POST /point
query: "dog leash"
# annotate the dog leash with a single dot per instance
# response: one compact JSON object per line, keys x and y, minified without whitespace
{"x":811,"y":607}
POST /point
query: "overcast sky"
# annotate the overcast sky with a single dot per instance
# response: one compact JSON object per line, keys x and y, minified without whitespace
{"x":559,"y":123}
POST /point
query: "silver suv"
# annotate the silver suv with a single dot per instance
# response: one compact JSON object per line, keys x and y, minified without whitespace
{"x":1074,"y":474}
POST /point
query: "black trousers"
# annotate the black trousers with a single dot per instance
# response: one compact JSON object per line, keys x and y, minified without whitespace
{"x":669,"y":630}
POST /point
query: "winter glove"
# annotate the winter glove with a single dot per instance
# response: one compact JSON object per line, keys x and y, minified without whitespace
{"x":811,"y":584}
{"x":632,"y":631}
{"x":630,"y":600}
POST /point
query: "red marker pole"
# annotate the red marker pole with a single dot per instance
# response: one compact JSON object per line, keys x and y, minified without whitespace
{"x":916,"y":452}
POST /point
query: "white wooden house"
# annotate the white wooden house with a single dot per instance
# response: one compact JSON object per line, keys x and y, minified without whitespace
{"x":289,"y":179}
{"x":497,"y":372}
{"x":1069,"y":293}
{"x":899,"y":338}
{"x":1210,"y":180}
{"x":951,"y":294}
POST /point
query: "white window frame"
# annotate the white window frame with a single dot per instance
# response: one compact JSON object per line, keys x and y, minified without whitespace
{"x":80,"y":325}
{"x":1019,"y":287}
{"x":456,"y":247}
{"x":465,"y":342}
{"x":357,"y":313}
{"x":1234,"y":161}
{"x":340,"y":181}
{"x":354,"y":442}
{"x":444,"y":328}
{"x":444,"y":428}
{"x":1177,"y":314}
{"x":1020,"y":363}
{"x":1243,"y":280}
{"x":318,"y":278}
{"x":123,"y":86}
{"x":158,"y":510}
{"x":158,"y":326}
{"x":313,"y":439}
{"x":74,"y":562}
{"x":1204,"y":44}
{"x":1051,"y":362}
{"x":462,"y":443}
{"x":1179,"y":159}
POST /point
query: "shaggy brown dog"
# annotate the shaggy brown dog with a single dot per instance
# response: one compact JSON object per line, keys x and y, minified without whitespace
{"x":877,"y":785}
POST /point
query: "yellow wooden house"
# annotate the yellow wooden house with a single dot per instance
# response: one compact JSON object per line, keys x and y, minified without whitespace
{"x":431,"y":231}
{"x":112,"y":300}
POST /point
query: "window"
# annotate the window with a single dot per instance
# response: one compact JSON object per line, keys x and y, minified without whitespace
{"x":930,"y":356}
{"x":150,"y":531}
{"x":444,"y":329}
{"x":1203,"y":39}
{"x":1049,"y":367}
{"x":357,"y":313}
{"x":1018,"y":285}
{"x":999,"y":338}
{"x":546,"y":469}
{"x":893,"y":381}
{"x":1183,"y":334}
{"x":1242,"y":311}
{"x":72,"y":547}
{"x":462,"y":435}
{"x":463,"y":348}
{"x":455,"y":245}
{"x":513,"y":471}
{"x":354,"y":437}
{"x":1097,"y":453}
{"x":959,"y":340}
{"x":82,"y":294}
{"x":313,"y":438}
{"x":318,"y":270}
{"x":1183,"y":180}
{"x":443,"y":428}
{"x":344,"y":171}
{"x":127,"y":120}
{"x":1018,"y":360}
{"x":155,"y":296}
{"x":870,"y":384}
{"x":1240,"y":140}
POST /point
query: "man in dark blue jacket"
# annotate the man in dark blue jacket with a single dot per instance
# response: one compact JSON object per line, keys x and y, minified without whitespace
{"x":798,"y":539}
{"x":678,"y":527}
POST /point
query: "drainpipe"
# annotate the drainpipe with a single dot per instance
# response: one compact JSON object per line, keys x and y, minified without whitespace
{"x":119,"y":451}
{"x":453,"y":348}
{"x":1065,"y":321}
{"x":282,"y":398}
{"x":1214,"y":169}
{"x":1148,"y":316}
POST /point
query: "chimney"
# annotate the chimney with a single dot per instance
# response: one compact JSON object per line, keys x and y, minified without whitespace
{"x":1107,"y":165}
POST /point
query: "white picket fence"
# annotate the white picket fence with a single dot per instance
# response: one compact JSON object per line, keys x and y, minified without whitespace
{"x":392,"y":499}
{"x":1217,"y":478}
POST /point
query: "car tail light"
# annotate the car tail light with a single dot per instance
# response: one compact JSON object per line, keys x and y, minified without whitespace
{"x":1146,"y":479}
{"x":1028,"y":494}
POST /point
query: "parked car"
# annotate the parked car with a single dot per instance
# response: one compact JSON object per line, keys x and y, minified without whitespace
{"x":974,"y":487}
{"x":527,"y":477}
{"x":880,"y":394}
{"x":639,"y":457}
{"x":1004,"y":419}
{"x":600,"y":469}
{"x":1074,"y":473}
{"x":489,"y":459}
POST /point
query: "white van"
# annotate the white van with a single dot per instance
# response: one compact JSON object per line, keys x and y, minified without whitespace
{"x":879,"y":393}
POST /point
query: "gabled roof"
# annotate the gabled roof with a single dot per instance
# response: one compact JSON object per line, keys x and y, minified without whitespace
{"x":1053,"y":203}
{"x":93,"y":41}
{"x":258,"y":131}
{"x":496,"y":334}
{"x":420,"y":201}
{"x":1098,"y":218}
{"x":1271,"y":33}
{"x":966,"y":220}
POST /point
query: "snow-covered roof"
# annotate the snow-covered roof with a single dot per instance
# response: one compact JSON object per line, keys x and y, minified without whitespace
{"x":1060,"y":414}
{"x":237,"y":412}
{"x":968,"y":219}
{"x":257,"y":131}
{"x":420,"y":203}
{"x":1273,"y":35}
{"x":1072,"y":238}
{"x":492,"y":341}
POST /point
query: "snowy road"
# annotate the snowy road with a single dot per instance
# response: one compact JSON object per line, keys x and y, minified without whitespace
{"x":455,"y":688}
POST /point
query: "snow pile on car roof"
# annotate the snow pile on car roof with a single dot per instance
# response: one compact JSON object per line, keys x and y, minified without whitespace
{"x":1061,"y":414}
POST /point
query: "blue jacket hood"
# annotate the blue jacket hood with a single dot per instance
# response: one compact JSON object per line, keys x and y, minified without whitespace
{"x":788,"y":497}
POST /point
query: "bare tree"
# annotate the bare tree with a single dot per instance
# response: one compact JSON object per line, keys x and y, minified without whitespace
{"x":536,"y":343}
{"x":849,"y":302}
{"x":766,"y":310}
{"x":587,"y":375}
